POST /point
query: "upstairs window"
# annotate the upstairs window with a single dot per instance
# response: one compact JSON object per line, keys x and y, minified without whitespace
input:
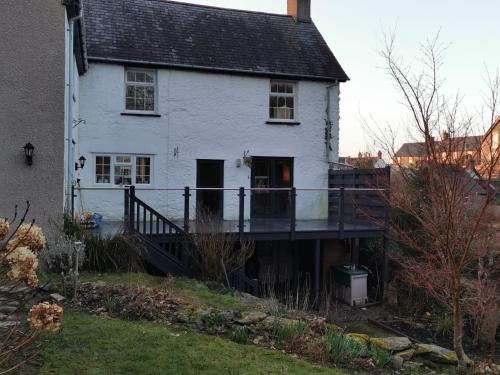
{"x":140,"y":90}
{"x":121,"y":170}
{"x":282,"y":101}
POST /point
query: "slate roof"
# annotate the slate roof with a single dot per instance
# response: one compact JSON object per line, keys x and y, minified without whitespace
{"x":469,"y":143}
{"x":411,"y":149}
{"x":182,"y":35}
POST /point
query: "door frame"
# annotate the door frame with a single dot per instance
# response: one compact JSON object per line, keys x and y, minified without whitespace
{"x":252,"y":179}
{"x":220,"y":215}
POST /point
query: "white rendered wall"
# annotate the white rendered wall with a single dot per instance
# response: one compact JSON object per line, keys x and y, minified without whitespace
{"x":203,"y":116}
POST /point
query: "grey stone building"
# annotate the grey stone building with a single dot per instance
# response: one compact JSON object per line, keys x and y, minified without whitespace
{"x":33,"y":88}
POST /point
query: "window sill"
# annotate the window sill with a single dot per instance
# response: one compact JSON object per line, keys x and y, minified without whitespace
{"x":140,"y":114}
{"x":291,"y":123}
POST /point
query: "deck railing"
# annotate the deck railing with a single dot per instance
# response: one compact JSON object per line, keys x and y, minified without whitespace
{"x":346,"y":205}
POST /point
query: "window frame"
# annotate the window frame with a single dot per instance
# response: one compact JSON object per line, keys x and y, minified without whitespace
{"x":144,"y":84}
{"x":294,"y":95}
{"x":114,"y":163}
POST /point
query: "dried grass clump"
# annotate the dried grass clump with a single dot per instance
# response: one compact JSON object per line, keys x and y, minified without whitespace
{"x":46,"y":317}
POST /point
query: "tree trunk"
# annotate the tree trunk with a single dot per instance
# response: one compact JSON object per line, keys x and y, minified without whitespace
{"x":458,"y":334}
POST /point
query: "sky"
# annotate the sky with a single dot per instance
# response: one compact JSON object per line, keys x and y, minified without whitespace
{"x":354,"y":30}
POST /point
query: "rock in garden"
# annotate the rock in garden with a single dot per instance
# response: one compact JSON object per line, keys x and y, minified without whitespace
{"x":358,"y":337}
{"x":251,"y":317}
{"x":438,"y":354}
{"x":406,"y":354}
{"x":395,"y":344}
{"x":397,"y":362}
{"x":57,"y":297}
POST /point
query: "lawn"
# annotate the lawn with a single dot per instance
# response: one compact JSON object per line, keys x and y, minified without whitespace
{"x":101,"y":346}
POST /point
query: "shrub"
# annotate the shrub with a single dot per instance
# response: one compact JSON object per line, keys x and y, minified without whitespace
{"x":341,"y":349}
{"x":60,"y":255}
{"x":444,"y":325}
{"x":215,"y":252}
{"x":284,"y":332}
{"x":113,"y":253}
{"x":240,"y":335}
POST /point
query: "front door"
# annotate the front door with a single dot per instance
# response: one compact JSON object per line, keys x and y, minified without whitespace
{"x":271,"y":173}
{"x":210,"y":174}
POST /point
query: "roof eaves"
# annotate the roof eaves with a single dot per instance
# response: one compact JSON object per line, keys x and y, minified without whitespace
{"x":216,"y":69}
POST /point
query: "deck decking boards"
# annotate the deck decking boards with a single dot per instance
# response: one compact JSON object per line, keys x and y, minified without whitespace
{"x":275,"y":229}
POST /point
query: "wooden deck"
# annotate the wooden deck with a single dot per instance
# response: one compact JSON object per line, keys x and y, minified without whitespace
{"x":268,"y":229}
{"x":280,"y":229}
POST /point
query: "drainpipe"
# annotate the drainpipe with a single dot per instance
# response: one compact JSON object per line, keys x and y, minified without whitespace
{"x":69,"y":109}
{"x":328,"y":128}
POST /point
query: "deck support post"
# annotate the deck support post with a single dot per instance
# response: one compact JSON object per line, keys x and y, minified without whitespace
{"x":186,"y":194}
{"x":293,"y":212}
{"x":341,"y":212}
{"x":131,"y":209}
{"x":317,"y":271}
{"x":241,"y":218}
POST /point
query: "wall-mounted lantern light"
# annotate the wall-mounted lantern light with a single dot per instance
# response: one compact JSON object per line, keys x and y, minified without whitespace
{"x":28,"y":153}
{"x":82,"y":161}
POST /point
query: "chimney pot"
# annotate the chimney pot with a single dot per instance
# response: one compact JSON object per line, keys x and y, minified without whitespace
{"x":300,"y":10}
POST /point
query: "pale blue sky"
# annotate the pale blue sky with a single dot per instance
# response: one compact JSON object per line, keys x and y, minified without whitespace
{"x":354,"y":31}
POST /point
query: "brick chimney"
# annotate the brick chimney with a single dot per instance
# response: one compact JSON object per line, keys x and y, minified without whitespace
{"x":300,"y":10}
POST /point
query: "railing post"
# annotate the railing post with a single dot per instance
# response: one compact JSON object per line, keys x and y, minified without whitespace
{"x":341,"y":212}
{"x":186,"y":209}
{"x":131,"y":210}
{"x":241,"y":221}
{"x":72,"y":202}
{"x":293,"y":212}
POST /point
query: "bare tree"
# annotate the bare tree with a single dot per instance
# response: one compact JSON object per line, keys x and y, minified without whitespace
{"x":216,"y":252}
{"x":440,"y":205}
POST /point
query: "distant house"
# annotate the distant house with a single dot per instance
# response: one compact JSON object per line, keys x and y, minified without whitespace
{"x":463,"y":150}
{"x":490,"y":148}
{"x":362,"y":161}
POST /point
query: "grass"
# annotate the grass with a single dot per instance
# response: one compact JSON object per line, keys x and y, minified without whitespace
{"x":341,"y":349}
{"x":90,"y":345}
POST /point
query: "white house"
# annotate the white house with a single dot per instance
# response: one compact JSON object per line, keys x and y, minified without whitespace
{"x":179,"y":95}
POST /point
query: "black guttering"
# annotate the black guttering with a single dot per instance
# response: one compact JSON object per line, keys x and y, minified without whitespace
{"x":160,"y":65}
{"x":73,"y":9}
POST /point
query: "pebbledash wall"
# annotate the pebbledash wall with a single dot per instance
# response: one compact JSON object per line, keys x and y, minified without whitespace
{"x":32,"y":107}
{"x":203,"y":116}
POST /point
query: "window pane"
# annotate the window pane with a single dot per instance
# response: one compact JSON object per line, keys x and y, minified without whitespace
{"x":139,"y":104}
{"x":130,"y":91}
{"x":143,"y":170}
{"x":130,"y":104}
{"x":131,"y":76}
{"x":281,"y":87}
{"x":274,"y":87}
{"x":102,"y":169}
{"x":281,"y":101}
{"x":150,"y":77}
{"x":149,"y":105}
{"x":123,"y":159}
{"x":289,"y":88}
{"x":140,"y":77}
{"x":289,"y":102}
{"x":123,"y":175}
{"x":150,"y":92}
{"x":140,"y":92}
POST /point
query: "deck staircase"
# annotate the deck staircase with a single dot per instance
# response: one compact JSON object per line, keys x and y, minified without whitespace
{"x":167,"y":244}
